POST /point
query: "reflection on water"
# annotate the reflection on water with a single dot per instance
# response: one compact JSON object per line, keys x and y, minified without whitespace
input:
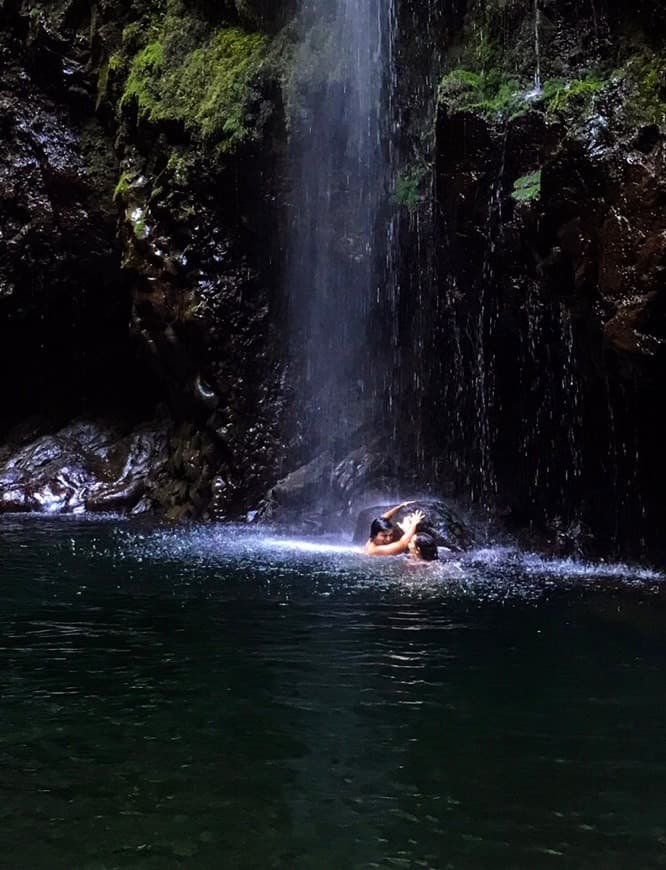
{"x":222,"y":697}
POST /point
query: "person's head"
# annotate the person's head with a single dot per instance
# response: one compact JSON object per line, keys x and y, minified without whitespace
{"x":381,"y":531}
{"x":423,"y":548}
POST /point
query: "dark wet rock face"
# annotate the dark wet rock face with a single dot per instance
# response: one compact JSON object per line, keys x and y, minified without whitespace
{"x":136,"y":256}
{"x":548,"y":293}
{"x":197,"y":221}
{"x":203,"y":316}
{"x":578,"y":358}
{"x":60,"y":275}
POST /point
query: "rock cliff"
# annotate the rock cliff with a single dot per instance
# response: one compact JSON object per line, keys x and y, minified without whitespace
{"x":144,"y":188}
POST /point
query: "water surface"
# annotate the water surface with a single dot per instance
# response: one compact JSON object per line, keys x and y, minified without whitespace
{"x":218,"y":697}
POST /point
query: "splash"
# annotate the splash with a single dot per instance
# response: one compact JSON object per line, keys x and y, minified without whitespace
{"x":308,"y":566}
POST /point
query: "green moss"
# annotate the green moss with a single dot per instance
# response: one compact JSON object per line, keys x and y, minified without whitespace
{"x":235,"y":56}
{"x":121,"y":187}
{"x":205,"y":80}
{"x":644,"y":77}
{"x":639,"y":87}
{"x":551,"y":88}
{"x":527,"y":188}
{"x":116,"y":63}
{"x":139,"y":228}
{"x":142,"y":84}
{"x":461,"y":86}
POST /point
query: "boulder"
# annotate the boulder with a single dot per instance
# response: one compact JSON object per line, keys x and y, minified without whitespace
{"x":85,"y":466}
{"x":322,"y":493}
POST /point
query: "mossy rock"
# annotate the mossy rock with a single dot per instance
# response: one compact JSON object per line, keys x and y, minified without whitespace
{"x":206,"y":79}
{"x":577,"y":95}
{"x":644,"y":77}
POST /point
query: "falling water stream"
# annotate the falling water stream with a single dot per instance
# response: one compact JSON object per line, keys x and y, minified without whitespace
{"x":341,"y":155}
{"x":537,"y":47}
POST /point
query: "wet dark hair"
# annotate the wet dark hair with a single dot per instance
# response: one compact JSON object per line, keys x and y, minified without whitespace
{"x":379,"y":524}
{"x":426,"y":546}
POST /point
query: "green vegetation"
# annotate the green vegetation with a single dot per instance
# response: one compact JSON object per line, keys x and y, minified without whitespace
{"x":490,"y":92}
{"x":185,"y":73}
{"x":407,"y":187}
{"x":102,"y":83}
{"x":494,"y":96}
{"x":527,"y":188}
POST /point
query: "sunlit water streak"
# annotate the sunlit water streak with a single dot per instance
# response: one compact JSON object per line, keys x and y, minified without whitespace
{"x":228,"y":696}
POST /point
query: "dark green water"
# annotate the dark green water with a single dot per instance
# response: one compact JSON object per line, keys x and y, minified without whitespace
{"x":207,"y":698}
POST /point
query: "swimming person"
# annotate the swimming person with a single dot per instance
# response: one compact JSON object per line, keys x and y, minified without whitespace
{"x":382,"y":540}
{"x":382,"y":530}
{"x":422,"y":548}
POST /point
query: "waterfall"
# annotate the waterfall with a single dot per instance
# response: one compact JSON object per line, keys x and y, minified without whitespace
{"x":340,"y":157}
{"x":537,"y":48}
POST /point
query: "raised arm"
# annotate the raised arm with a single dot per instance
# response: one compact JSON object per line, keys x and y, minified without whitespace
{"x":410,"y":523}
{"x":394,"y":510}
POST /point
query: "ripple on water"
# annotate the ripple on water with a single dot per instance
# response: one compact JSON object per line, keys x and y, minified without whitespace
{"x":165,"y":691}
